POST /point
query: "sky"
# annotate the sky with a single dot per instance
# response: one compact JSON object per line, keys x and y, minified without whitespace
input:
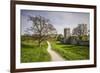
{"x":59,"y":19}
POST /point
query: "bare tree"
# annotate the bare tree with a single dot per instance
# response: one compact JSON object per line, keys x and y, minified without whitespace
{"x":42,"y":29}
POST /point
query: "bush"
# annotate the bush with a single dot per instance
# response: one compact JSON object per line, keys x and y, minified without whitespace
{"x":77,"y":40}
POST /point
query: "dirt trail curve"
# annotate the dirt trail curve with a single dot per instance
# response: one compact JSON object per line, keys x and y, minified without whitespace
{"x":54,"y":55}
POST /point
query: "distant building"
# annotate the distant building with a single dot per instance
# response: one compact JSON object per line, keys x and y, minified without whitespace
{"x":81,"y":29}
{"x":67,"y":33}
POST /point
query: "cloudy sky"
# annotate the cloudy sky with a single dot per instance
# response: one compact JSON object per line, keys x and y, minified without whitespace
{"x":58,"y":19}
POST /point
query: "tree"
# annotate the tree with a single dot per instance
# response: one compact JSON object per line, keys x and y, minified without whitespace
{"x":84,"y":38}
{"x":60,"y":37}
{"x":42,"y":28}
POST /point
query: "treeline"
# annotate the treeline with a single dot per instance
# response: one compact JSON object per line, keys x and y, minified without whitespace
{"x":76,"y":40}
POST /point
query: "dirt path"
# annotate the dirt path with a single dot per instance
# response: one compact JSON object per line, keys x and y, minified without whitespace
{"x":54,"y":55}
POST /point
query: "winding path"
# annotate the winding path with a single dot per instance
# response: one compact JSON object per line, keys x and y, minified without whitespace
{"x":54,"y":55}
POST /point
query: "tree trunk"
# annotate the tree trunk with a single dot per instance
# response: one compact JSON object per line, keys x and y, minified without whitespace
{"x":39,"y":43}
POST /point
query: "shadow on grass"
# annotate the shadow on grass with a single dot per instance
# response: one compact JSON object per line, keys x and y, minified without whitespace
{"x":71,"y":46}
{"x":27,"y":46}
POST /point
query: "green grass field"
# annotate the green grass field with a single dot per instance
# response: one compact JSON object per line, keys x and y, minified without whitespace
{"x":71,"y":52}
{"x":31,"y":52}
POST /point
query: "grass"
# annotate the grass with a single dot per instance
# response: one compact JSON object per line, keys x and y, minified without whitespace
{"x":71,"y":52}
{"x":31,"y":52}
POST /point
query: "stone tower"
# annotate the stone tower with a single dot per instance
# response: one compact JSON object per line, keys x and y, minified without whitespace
{"x":67,"y":33}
